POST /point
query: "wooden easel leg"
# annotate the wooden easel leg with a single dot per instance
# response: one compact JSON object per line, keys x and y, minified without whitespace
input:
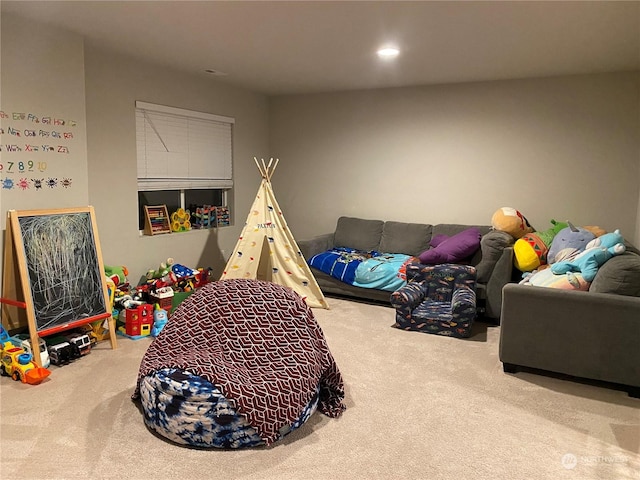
{"x":111,"y":322}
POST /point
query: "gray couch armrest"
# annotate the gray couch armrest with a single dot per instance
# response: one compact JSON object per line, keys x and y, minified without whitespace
{"x":316,"y":245}
{"x":500,"y":276}
{"x":584,"y":334}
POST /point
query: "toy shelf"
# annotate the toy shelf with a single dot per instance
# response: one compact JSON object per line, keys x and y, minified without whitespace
{"x":156,"y":220}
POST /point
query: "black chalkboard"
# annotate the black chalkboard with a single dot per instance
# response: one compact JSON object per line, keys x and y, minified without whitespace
{"x":61,"y":267}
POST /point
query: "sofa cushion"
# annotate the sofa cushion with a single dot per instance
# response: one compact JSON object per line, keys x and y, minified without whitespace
{"x":358,"y":233}
{"x":620,"y":274}
{"x":492,"y":245}
{"x":408,"y":238}
{"x":454,"y":249}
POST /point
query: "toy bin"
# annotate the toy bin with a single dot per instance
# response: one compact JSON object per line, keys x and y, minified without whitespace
{"x":178,"y":298}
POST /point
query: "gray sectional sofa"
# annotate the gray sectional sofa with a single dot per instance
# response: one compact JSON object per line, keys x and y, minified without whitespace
{"x":592,"y":335}
{"x":493,"y":261}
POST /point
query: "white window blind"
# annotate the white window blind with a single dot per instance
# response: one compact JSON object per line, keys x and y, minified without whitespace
{"x":182,"y":149}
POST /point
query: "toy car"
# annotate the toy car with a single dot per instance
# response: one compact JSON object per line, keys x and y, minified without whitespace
{"x":80,"y":340}
{"x":18,"y":364}
{"x":23,"y":340}
{"x":61,"y":351}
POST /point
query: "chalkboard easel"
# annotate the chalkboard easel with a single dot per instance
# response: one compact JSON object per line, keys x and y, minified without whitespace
{"x":60,"y":270}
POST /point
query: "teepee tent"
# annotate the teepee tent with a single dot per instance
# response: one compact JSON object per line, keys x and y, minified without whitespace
{"x":266,"y":249}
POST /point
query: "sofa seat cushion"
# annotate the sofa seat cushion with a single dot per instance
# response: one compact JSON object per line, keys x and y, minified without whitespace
{"x":358,"y":233}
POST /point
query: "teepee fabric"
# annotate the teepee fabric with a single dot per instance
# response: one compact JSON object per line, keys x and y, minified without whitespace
{"x":266,"y":249}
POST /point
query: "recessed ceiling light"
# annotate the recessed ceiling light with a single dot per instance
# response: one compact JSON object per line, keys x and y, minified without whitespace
{"x":388,"y":52}
{"x":215,"y":72}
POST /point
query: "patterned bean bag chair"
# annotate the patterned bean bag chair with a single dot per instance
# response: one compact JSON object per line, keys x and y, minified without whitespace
{"x":240,"y":363}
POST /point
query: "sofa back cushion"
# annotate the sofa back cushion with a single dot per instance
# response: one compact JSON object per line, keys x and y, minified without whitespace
{"x":407,"y":238}
{"x":492,"y":245}
{"x":358,"y":233}
{"x":620,"y":274}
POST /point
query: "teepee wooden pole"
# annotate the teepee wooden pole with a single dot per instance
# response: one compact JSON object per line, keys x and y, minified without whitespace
{"x":262,"y":172}
{"x":267,"y":168}
{"x":274,"y":168}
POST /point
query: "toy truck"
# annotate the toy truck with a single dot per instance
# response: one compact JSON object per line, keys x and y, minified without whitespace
{"x":23,"y":340}
{"x":18,"y":364}
{"x":61,"y":351}
{"x":80,"y":340}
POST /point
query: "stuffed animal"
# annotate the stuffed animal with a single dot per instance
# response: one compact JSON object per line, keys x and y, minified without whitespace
{"x":548,"y":235}
{"x":510,"y":220}
{"x":530,"y":251}
{"x":588,"y":262}
{"x":160,"y":319}
{"x":569,"y":242}
{"x":606,"y":240}
{"x":596,"y":230}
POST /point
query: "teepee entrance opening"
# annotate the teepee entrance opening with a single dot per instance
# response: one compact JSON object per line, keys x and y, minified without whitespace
{"x":266,"y":249}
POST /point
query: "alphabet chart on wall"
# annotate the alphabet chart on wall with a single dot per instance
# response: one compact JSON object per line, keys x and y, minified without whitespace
{"x":35,"y":151}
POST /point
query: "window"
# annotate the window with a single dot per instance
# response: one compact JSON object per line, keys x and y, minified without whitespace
{"x":184,"y":158}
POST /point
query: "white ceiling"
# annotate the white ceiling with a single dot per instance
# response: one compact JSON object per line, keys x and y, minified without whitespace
{"x":318,"y":46}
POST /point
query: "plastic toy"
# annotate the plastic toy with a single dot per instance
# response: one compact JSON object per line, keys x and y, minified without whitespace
{"x":80,"y":340}
{"x":183,"y":272}
{"x":137,"y":321}
{"x":160,"y":319}
{"x":18,"y":364}
{"x":163,"y":271}
{"x":61,"y":352}
{"x":163,"y":297}
{"x":180,"y":220}
{"x":4,"y":337}
{"x":24,"y":341}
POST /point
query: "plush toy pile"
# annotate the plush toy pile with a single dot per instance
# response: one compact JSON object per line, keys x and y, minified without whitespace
{"x":563,"y":256}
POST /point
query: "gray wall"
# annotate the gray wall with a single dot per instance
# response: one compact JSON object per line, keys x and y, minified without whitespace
{"x":52,"y":70}
{"x":43,"y":75}
{"x":113,"y":84}
{"x":561,"y":148}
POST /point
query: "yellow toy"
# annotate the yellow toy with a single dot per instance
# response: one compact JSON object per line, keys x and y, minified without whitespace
{"x":181,"y":220}
{"x":530,"y":251}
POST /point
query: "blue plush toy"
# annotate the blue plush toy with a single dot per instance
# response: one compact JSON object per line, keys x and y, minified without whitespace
{"x":160,"y":319}
{"x":596,"y":253}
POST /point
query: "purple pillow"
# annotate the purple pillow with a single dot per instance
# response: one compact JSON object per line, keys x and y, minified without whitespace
{"x":453,"y":249}
{"x":438,"y":239}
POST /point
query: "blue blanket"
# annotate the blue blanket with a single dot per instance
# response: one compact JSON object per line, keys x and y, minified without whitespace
{"x":382,"y":271}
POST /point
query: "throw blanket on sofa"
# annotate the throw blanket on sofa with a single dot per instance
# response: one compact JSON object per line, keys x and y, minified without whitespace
{"x":382,"y":271}
{"x":260,"y":343}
